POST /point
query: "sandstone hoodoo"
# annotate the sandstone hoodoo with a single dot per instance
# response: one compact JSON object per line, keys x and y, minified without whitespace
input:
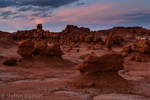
{"x":25,"y":49}
{"x":39,"y":47}
{"x":39,"y":26}
{"x":109,"y":43}
{"x":51,"y":54}
{"x":40,"y":52}
{"x":104,"y":63}
{"x":101,"y":70}
{"x":142,"y":46}
{"x":53,"y":50}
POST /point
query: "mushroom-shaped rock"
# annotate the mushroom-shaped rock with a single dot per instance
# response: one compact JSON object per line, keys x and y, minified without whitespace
{"x":106,"y":63}
{"x":101,"y":72}
{"x":53,"y":50}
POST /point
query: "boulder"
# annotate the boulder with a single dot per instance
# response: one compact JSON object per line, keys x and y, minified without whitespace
{"x":10,"y":62}
{"x":127,"y":48}
{"x":77,"y":50}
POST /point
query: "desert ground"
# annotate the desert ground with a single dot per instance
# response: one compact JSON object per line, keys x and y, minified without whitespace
{"x":66,"y":73}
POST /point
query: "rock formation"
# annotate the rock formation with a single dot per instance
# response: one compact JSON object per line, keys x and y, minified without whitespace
{"x":39,"y":47}
{"x":75,"y":29}
{"x":10,"y":62}
{"x":104,"y":63}
{"x":100,"y":70}
{"x":127,"y":48}
{"x":109,"y":43}
{"x":39,"y":51}
{"x":53,"y":50}
{"x":142,"y":46}
{"x":39,"y":26}
{"x":25,"y":49}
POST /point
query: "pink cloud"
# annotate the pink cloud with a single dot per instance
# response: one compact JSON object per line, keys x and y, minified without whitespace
{"x":76,"y":14}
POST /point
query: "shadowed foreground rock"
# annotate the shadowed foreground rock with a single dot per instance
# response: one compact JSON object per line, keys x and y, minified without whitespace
{"x":10,"y":62}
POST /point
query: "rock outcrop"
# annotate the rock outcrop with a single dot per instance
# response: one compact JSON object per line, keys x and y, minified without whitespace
{"x":109,"y":43}
{"x":104,"y":63}
{"x":75,"y":29}
{"x":39,"y":52}
{"x":97,"y":71}
{"x":142,"y":46}
{"x":25,"y":49}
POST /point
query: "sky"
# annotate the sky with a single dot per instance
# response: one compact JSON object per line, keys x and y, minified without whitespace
{"x":56,"y":14}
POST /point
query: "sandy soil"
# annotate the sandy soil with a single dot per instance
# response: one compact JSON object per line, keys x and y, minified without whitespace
{"x":53,"y":81}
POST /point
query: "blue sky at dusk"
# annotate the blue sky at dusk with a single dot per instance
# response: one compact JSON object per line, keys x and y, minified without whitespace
{"x":56,"y":14}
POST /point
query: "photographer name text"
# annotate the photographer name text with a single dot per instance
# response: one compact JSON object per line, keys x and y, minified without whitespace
{"x":17,"y":96}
